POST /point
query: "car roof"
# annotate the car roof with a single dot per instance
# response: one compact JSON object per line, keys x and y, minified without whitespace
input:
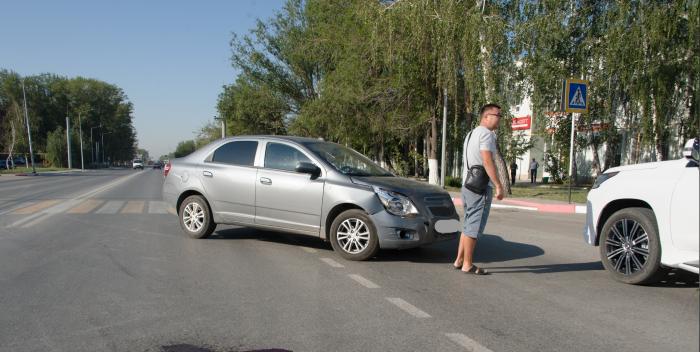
{"x":296,"y":139}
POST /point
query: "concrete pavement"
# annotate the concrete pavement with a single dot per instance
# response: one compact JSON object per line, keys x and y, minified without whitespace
{"x":127,"y":279}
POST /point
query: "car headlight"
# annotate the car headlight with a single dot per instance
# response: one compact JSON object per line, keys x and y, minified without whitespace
{"x":602,"y":178}
{"x":396,"y":203}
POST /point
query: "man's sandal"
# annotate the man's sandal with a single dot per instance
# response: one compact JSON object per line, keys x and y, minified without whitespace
{"x":475,"y":270}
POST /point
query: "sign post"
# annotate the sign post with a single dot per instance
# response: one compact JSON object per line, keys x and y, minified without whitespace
{"x":575,"y":101}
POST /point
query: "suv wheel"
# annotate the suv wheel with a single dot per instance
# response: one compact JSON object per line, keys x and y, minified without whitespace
{"x":195,"y":217}
{"x":630,"y":248}
{"x":354,"y":236}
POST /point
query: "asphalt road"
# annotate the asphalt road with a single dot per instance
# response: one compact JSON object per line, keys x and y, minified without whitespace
{"x":96,"y":262}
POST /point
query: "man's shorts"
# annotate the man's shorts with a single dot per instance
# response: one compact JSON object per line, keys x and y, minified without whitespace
{"x":476,"y":211}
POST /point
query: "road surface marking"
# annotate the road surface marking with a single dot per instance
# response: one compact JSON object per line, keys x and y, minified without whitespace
{"x":133,"y":207}
{"x":85,"y":207}
{"x":362,"y":281}
{"x":332,"y":263}
{"x":466,"y":342}
{"x":157,"y":207}
{"x":408,"y":308}
{"x":13,"y":206}
{"x":37,"y":207}
{"x":309,"y":250}
{"x":111,"y":207}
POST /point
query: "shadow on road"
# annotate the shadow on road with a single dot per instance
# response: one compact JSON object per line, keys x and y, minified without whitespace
{"x":678,"y":278}
{"x":243,"y":233}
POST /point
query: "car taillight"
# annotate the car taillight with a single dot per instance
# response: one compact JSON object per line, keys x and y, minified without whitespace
{"x":166,"y":169}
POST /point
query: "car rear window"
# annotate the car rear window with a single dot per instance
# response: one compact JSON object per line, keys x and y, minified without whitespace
{"x":236,"y":153}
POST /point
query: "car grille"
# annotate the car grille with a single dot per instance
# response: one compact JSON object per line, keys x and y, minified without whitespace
{"x":440,"y":205}
{"x":443,"y":211}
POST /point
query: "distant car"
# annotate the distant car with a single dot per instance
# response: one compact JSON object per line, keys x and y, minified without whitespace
{"x":137,"y":164}
{"x":644,"y":217}
{"x":4,"y":164}
{"x":306,"y":186}
{"x":157,"y":165}
{"x":19,"y":160}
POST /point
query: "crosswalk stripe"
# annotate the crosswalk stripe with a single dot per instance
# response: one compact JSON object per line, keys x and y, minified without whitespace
{"x":133,"y":207}
{"x":111,"y":207}
{"x":85,"y":207}
{"x":36,"y":207}
{"x":157,"y":207}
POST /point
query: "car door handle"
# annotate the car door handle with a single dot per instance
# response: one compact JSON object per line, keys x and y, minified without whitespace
{"x":265,"y":181}
{"x":207,"y":174}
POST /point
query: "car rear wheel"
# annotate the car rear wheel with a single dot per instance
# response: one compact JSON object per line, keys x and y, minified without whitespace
{"x":354,"y":236}
{"x":630,"y":248}
{"x":195,"y":217}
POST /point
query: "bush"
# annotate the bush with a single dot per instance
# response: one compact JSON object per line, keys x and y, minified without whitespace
{"x":453,"y":181}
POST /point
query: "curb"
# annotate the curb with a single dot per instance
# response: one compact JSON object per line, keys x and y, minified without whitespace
{"x":532,"y":206}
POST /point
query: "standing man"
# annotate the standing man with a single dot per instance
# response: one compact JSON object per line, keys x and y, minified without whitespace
{"x":479,"y":149}
{"x":533,"y":170}
{"x":513,"y":169}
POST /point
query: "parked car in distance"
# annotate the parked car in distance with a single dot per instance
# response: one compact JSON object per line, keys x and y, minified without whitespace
{"x":310,"y":187}
{"x":644,"y":217}
{"x":157,"y":165}
{"x":137,"y":164}
{"x":20,"y":160}
{"x":5,"y":162}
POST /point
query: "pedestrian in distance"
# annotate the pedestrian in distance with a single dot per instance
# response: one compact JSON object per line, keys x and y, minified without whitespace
{"x":479,"y":179}
{"x":513,"y":169}
{"x":533,"y":170}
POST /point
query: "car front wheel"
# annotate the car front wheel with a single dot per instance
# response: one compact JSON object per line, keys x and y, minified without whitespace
{"x":195,"y":217}
{"x":630,"y":248}
{"x":354,"y":236}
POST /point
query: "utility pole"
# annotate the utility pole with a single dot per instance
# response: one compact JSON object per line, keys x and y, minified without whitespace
{"x":223,"y":126}
{"x":93,"y":146}
{"x":80,"y":128}
{"x":29,"y":131}
{"x":444,"y":137}
{"x":70,"y":163}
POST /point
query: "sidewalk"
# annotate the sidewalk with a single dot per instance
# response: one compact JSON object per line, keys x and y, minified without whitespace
{"x":530,"y":204}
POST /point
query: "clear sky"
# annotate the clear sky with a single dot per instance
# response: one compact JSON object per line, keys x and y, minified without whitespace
{"x":171,"y":58}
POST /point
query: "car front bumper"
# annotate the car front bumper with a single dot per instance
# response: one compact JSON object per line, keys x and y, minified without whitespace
{"x":395,"y":232}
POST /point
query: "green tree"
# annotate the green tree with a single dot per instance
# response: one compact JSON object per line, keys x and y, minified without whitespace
{"x":184,"y":148}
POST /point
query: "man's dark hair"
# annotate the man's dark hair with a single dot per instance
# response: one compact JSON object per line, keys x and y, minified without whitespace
{"x":488,"y":107}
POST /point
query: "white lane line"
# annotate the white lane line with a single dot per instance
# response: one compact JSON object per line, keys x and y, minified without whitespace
{"x":309,"y":250}
{"x":157,"y":207}
{"x":581,"y":209}
{"x":111,"y":207}
{"x":20,"y":206}
{"x":362,"y":281}
{"x":466,"y":342}
{"x":332,"y":263}
{"x":408,"y":308}
{"x":37,"y":220}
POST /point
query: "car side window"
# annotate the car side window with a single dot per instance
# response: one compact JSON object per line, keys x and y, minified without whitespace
{"x":283,"y":157}
{"x":236,"y":153}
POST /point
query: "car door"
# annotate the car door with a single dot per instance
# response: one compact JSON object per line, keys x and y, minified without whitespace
{"x":684,"y":209}
{"x":285,"y":198}
{"x":228,"y":176}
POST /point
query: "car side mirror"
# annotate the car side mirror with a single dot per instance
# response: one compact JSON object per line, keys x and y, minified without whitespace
{"x":308,"y":168}
{"x":691,"y":150}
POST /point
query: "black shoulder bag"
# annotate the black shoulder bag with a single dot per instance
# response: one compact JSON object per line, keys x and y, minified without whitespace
{"x":477,"y":179}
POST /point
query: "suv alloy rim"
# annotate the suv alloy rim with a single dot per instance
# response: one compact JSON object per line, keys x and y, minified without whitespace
{"x":627,"y":246}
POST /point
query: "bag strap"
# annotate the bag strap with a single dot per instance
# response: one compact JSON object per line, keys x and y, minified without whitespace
{"x":466,"y":157}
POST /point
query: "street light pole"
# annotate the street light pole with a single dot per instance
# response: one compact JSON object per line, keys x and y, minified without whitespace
{"x":80,"y":128}
{"x":444,"y":137}
{"x":29,"y":131}
{"x":103,"y":145}
{"x":223,"y":126}
{"x":70,"y":163}
{"x":571,"y":153}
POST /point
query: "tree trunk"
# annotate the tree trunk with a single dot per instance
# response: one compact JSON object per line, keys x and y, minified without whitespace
{"x":658,"y":130}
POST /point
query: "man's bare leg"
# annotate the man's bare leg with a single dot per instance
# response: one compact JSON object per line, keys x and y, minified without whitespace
{"x":469,"y":245}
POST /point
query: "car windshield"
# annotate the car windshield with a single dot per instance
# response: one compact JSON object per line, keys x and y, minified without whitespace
{"x":137,"y":160}
{"x":346,"y":160}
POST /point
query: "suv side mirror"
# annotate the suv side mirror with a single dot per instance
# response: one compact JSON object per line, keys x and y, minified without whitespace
{"x":692,"y":149}
{"x":308,"y":168}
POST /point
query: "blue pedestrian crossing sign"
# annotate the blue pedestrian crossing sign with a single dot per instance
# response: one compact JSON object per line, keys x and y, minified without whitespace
{"x":576,"y":95}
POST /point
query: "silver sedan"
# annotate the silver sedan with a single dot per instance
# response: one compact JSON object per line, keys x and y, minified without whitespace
{"x":310,"y":187}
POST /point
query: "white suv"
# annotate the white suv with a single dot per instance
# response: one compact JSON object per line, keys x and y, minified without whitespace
{"x":137,"y":164}
{"x":645,"y":217}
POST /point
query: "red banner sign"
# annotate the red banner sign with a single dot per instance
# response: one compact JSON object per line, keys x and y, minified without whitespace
{"x":521,"y":123}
